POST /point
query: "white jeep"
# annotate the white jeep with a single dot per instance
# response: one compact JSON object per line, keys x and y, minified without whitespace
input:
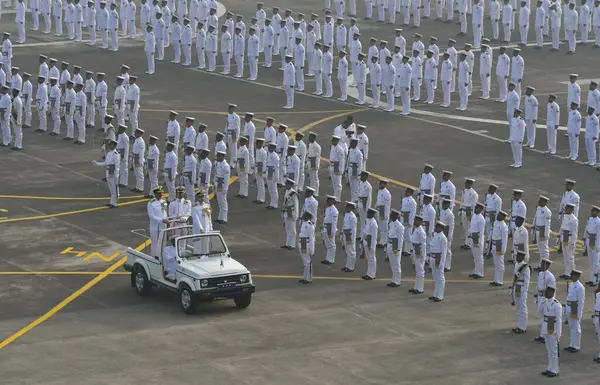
{"x":204,"y":270}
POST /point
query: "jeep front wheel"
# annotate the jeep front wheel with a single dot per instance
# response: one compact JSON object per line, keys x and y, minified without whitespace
{"x":243,"y":301}
{"x":186,"y":299}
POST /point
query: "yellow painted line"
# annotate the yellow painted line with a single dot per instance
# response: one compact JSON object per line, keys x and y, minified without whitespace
{"x":259,"y":113}
{"x":3,"y":210}
{"x":65,"y":198}
{"x":68,"y":300}
{"x":258,"y":276}
{"x":9,"y":220}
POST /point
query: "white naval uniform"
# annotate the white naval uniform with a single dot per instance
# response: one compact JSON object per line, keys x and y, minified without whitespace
{"x":336,"y":166}
{"x":383,"y":205}
{"x":369,"y":243}
{"x":517,"y":134}
{"x":596,"y":316}
{"x":80,"y":114}
{"x":157,"y":212}
{"x":502,"y":72}
{"x":574,"y":312}
{"x":306,"y":246}
{"x":592,"y":244}
{"x":394,"y":249}
{"x":568,"y":237}
{"x":552,"y":121}
{"x":313,"y":163}
{"x":418,"y":239}
{"x":531,"y":117}
{"x":541,"y":226}
{"x":447,"y":217}
{"x":204,"y":173}
{"x":273,"y":167}
{"x":348,"y":238}
{"x":111,"y":163}
{"x":438,"y":248}
{"x":139,"y":152}
{"x":573,"y":131}
{"x":353,"y":170}
{"x":221,"y":183}
{"x":476,"y":236}
{"x":290,"y":216}
{"x":329,"y":231}
{"x":551,"y":314}
{"x":152,"y":162}
{"x":170,"y":173}
{"x":521,"y":279}
{"x":243,"y":166}
{"x":591,"y":137}
{"x":545,"y":279}
{"x":190,"y":169}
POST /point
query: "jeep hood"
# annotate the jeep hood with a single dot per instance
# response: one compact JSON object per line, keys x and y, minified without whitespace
{"x":211,"y":267}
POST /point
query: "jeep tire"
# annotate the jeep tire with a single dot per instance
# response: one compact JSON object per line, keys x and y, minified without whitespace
{"x":186,"y":299}
{"x":243,"y":301}
{"x":140,"y":281}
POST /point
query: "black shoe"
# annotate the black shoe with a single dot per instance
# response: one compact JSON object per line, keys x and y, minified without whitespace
{"x":306,"y":282}
{"x":112,"y":206}
{"x":122,"y":185}
{"x":411,"y":290}
{"x":380,"y":246}
{"x":573,"y":350}
{"x":447,"y":270}
{"x":597,"y":359}
{"x":417,"y":292}
{"x":518,"y":331}
{"x":344,"y":269}
{"x":302,"y":280}
{"x":367,"y":278}
{"x":475,"y":276}
{"x":67,"y":138}
{"x":326,"y":262}
{"x":405,"y":254}
{"x":435,"y":299}
{"x":540,"y":339}
{"x":16,"y":148}
{"x":431,"y":298}
{"x":387,"y":259}
{"x":552,"y":375}
{"x":545,"y":372}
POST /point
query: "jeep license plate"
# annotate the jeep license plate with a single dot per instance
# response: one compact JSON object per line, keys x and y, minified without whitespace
{"x":228,"y":285}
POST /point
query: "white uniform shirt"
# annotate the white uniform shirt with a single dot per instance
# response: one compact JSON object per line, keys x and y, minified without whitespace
{"x":541,"y":221}
{"x":531,"y":108}
{"x":591,"y":126}
{"x":574,"y":122}
{"x":517,"y":130}
{"x":418,"y":238}
{"x":575,"y":297}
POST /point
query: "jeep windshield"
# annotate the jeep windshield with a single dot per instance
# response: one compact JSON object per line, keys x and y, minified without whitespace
{"x":201,"y":246}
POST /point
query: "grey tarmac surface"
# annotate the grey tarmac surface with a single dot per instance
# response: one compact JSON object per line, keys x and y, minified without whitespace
{"x":337,"y":330}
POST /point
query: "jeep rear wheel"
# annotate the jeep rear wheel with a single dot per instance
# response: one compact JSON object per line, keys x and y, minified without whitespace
{"x":140,"y":279}
{"x":243,"y":301}
{"x":187,"y":300}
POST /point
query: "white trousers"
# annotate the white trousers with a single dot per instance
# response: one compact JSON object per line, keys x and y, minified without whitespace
{"x":20,"y":32}
{"x":543,"y":247}
{"x":336,"y":181}
{"x":416,"y":87}
{"x":464,"y":95}
{"x":290,"y":232}
{"x":551,"y":138}
{"x":43,"y":118}
{"x":239,"y":63}
{"x":419,"y":274}
{"x":131,"y":28}
{"x":226,"y":62}
{"x":176,"y":51}
{"x":113,"y":189}
{"x":328,"y":85}
{"x":590,"y":148}
{"x":371,"y":262}
{"x":47,"y":22}
{"x":507,"y":31}
{"x":429,"y":87}
{"x":478,"y":259}
{"x":58,"y":24}
{"x":300,"y":78}
{"x":350,"y":249}
{"x":153,"y":176}
{"x":569,"y":257}
{"x":289,"y":95}
{"x":223,"y":205}
{"x":318,"y":82}
{"x":555,"y":37}
{"x":343,"y":88}
{"x":395,"y":265}
{"x":330,"y":246}
{"x":36,"y":20}
{"x":390,"y":97}
{"x":104,"y":35}
{"x":260,"y":188}
{"x":539,"y":36}
{"x":495,"y":29}
{"x":124,"y":173}
{"x":485,"y":85}
{"x":405,"y":95}
{"x":313,"y":181}
{"x":522,"y":312}
{"x":597,"y":35}
{"x":273,"y":192}
{"x":575,"y":331}
{"x":376,"y":94}
{"x":55,"y":115}
{"x":253,"y":66}
{"x":573,"y":145}
{"x":571,"y":39}
{"x":593,"y":261}
{"x":498,"y":267}
{"x":201,"y":57}
{"x":477,"y":32}
{"x":243,"y":176}
{"x":552,"y":350}
{"x":440,"y":282}
{"x":462,"y":18}
{"x":502,"y":87}
{"x":78,"y":31}
{"x":307,"y":263}
{"x":530,"y":124}
{"x":517,"y":152}
{"x":212,"y":60}
{"x":524,"y":30}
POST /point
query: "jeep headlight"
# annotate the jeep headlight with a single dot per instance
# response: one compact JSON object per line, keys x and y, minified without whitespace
{"x":243,"y":278}
{"x":204,"y":283}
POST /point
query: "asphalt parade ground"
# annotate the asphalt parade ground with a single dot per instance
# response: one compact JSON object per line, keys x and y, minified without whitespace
{"x":69,"y":316}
